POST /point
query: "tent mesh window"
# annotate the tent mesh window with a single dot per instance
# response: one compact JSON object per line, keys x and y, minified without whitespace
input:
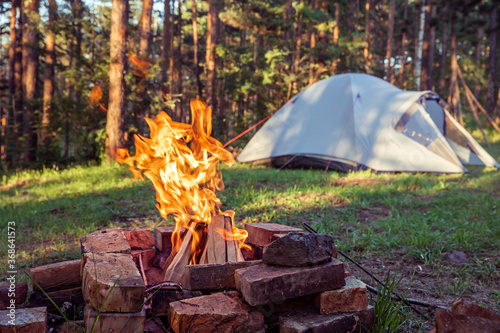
{"x":418,"y":125}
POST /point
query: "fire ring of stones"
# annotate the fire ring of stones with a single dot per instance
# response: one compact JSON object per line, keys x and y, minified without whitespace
{"x":285,"y":278}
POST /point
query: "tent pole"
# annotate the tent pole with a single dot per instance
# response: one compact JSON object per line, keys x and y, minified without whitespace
{"x":473,"y":109}
{"x":284,"y":165}
{"x":477,"y":102}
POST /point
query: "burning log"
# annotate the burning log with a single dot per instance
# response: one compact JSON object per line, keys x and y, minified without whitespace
{"x":212,"y":243}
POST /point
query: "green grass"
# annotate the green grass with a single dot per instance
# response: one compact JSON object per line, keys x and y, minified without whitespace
{"x":402,"y":222}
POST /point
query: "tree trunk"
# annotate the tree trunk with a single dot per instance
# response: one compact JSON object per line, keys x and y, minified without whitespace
{"x":118,"y":38}
{"x":490,"y":102}
{"x":390,"y":31}
{"x":145,"y":28}
{"x":432,"y":48}
{"x":11,"y":109}
{"x":418,"y":64}
{"x":350,"y":20}
{"x":195,"y":51}
{"x":453,"y":92}
{"x":298,"y":43}
{"x":425,"y":45}
{"x":180,"y":108}
{"x":18,"y":87}
{"x":77,"y":8}
{"x":444,"y":50}
{"x":210,"y":55}
{"x":368,"y":37}
{"x":402,"y":81}
{"x":312,"y":44}
{"x":479,"y":36}
{"x":30,"y":78}
{"x":48,"y":82}
{"x":166,"y":43}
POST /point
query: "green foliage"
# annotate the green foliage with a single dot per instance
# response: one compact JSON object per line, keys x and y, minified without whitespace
{"x":388,"y":310}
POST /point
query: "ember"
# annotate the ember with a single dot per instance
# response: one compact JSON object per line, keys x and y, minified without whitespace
{"x":186,"y":179}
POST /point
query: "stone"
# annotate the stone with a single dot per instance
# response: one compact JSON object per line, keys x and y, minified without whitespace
{"x":161,"y":299}
{"x":449,"y":322}
{"x":57,"y":276}
{"x":262,"y":283}
{"x":101,"y":272}
{"x":309,"y":320}
{"x":350,"y":298}
{"x":299,"y":249}
{"x":214,"y":313}
{"x":131,"y":322}
{"x":466,"y":307}
{"x":163,"y":238}
{"x":26,"y":320}
{"x":147,"y":258}
{"x":262,"y":234}
{"x":457,"y":257}
{"x":105,"y":241}
{"x":16,"y":291}
{"x":139,"y":239}
{"x":213,"y":276}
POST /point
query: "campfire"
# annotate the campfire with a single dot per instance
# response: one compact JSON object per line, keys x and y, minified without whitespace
{"x":182,"y":162}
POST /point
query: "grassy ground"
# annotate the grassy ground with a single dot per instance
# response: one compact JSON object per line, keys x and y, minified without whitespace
{"x":403,"y":223}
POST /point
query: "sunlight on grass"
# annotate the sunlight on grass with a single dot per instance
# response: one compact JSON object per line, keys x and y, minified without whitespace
{"x":410,"y":218}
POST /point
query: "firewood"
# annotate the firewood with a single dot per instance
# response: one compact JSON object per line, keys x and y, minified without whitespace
{"x":216,"y":244}
{"x":175,"y":271}
{"x":232,"y":248}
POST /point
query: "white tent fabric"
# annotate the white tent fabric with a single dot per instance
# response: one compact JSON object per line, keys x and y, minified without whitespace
{"x":357,"y":121}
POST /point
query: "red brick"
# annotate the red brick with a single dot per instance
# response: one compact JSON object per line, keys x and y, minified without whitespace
{"x":262,"y":283}
{"x":27,"y":320}
{"x":214,"y":313}
{"x":213,"y":276}
{"x":154,"y":275}
{"x":139,"y":239}
{"x":147,"y":257}
{"x":163,"y":238}
{"x":101,"y":272}
{"x":310,"y":321}
{"x":449,"y":322}
{"x":262,"y":234}
{"x":350,"y":298}
{"x":18,"y":290}
{"x":124,"y":322}
{"x":161,"y":299}
{"x":57,"y":276}
{"x":105,"y":241}
{"x":466,"y":307}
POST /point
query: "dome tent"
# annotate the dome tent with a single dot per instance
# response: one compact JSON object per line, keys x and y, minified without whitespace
{"x":358,"y":121}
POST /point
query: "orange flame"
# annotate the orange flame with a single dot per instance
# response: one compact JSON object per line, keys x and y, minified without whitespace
{"x":96,"y":96}
{"x":186,"y":179}
{"x":142,"y":66}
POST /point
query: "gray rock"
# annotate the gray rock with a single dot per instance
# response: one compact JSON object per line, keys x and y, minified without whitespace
{"x":458,"y":257}
{"x":299,"y":249}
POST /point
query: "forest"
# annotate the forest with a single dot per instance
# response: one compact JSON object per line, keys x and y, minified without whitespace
{"x":77,"y":78}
